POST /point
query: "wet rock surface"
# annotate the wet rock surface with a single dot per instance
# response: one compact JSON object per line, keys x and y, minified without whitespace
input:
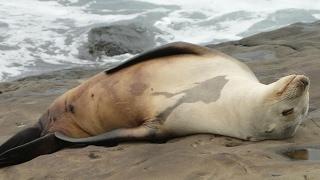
{"x":293,"y":49}
{"x":117,"y":39}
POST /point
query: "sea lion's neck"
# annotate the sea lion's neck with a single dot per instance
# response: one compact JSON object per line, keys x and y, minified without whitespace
{"x":242,"y":100}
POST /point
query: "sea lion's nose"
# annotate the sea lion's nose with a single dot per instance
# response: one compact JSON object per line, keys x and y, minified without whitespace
{"x":305,"y":81}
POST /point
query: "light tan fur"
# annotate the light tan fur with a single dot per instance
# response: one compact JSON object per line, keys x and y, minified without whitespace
{"x":162,"y":94}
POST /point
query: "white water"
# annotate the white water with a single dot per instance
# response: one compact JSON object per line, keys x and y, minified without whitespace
{"x":38,"y":36}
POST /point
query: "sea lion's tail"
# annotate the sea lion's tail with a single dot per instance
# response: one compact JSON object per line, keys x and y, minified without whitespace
{"x":28,"y":144}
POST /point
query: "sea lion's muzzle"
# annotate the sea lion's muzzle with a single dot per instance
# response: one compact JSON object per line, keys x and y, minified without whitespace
{"x":300,"y":84}
{"x":296,"y":86}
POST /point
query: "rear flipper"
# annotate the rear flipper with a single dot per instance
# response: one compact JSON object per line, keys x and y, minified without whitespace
{"x":20,"y":138}
{"x":25,"y":152}
{"x":141,"y":133}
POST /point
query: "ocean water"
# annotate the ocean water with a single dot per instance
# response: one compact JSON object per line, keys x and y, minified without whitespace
{"x":38,"y":36}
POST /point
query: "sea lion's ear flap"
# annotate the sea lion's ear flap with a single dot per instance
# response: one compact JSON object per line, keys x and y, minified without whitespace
{"x":19,"y":154}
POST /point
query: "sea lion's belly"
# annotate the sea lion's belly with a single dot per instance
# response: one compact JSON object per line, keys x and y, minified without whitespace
{"x":198,"y":96}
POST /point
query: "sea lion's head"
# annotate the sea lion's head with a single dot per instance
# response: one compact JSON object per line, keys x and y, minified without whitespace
{"x":285,"y":105}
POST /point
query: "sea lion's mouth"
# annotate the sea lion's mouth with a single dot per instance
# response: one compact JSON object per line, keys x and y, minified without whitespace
{"x":284,"y":133}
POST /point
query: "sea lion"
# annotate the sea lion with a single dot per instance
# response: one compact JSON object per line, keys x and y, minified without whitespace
{"x":175,"y":90}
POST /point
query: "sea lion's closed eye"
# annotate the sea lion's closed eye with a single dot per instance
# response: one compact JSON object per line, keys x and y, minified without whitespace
{"x":287,"y":112}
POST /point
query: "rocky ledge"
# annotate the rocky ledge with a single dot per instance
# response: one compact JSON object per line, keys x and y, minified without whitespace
{"x":117,"y":39}
{"x":293,"y":49}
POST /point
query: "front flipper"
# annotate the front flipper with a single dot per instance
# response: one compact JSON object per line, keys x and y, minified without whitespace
{"x":43,"y":145}
{"x":141,"y":133}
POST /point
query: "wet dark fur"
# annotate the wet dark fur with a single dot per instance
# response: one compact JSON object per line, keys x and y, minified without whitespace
{"x":170,"y":49}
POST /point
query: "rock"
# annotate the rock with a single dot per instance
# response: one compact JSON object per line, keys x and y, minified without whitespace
{"x":293,"y":49}
{"x":117,"y":39}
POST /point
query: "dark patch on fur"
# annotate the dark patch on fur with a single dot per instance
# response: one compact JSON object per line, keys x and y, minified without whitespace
{"x":164,"y":114}
{"x":137,"y":88}
{"x":207,"y":91}
{"x":71,"y":108}
{"x":171,"y":49}
{"x":68,"y":107}
{"x":166,"y":94}
{"x":92,"y":95}
{"x":65,"y":106}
